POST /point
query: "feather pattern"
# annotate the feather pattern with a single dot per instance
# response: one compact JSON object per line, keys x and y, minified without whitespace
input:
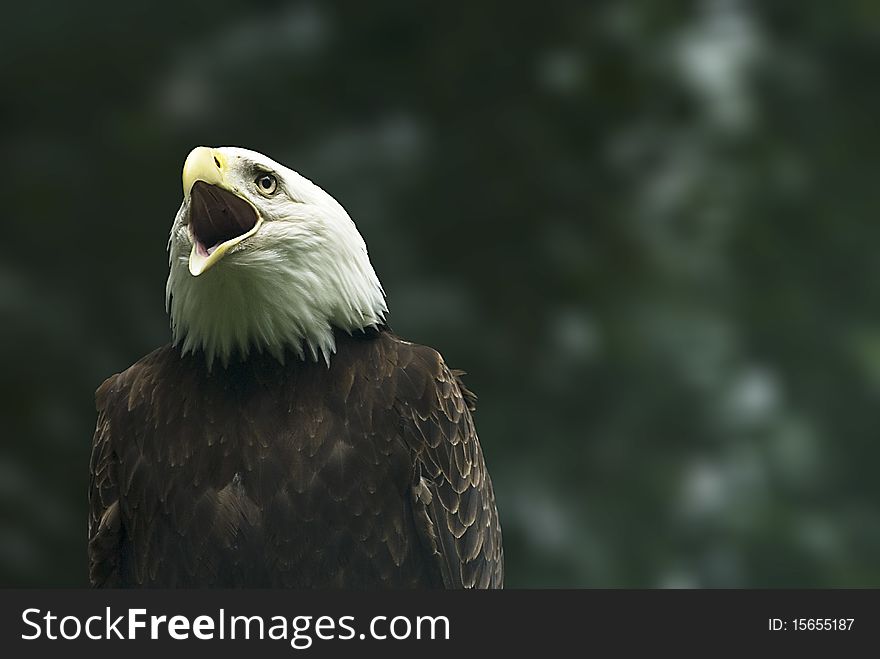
{"x":364,"y":474}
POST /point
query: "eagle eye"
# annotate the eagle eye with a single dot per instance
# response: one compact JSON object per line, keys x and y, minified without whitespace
{"x":266,"y":184}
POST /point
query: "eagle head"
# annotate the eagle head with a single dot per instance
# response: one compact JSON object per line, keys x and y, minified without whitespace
{"x":261,"y":259}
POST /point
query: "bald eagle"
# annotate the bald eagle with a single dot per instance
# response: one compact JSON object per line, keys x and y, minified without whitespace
{"x":285,"y":437}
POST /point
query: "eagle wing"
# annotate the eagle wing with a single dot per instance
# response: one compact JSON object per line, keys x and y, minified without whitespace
{"x":453,"y":501}
{"x":104,"y":518}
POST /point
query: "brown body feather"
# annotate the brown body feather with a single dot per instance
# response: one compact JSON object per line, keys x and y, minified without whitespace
{"x":366,"y":474}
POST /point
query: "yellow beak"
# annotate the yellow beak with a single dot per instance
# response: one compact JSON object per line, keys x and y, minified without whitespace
{"x":210,"y":165}
{"x":204,"y":164}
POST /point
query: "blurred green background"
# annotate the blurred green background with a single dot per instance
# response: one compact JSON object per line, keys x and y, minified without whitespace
{"x":647,"y":230}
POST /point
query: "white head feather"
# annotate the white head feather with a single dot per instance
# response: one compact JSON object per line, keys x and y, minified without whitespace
{"x":304,"y":272}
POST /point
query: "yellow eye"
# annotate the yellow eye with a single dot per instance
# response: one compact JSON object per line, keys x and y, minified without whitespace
{"x":267,"y":184}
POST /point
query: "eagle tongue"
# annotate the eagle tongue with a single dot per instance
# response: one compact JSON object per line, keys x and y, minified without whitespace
{"x":218,"y":215}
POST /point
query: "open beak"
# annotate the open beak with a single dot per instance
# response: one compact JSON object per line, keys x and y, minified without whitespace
{"x":219,"y":218}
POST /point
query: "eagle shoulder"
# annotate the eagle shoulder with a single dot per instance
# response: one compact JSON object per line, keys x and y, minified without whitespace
{"x":452,"y":495}
{"x":115,"y":399}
